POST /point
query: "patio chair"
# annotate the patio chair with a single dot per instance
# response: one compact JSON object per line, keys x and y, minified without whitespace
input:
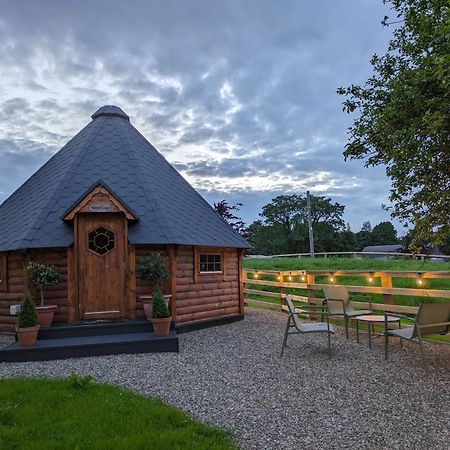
{"x":294,"y":326}
{"x":432,"y":318}
{"x":338,"y":304}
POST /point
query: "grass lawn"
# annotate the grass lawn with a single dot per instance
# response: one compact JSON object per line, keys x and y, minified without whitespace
{"x":364,"y":264}
{"x":336,"y":263}
{"x":75,"y":414}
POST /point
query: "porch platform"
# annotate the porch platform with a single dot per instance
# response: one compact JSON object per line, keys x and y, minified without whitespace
{"x":76,"y":341}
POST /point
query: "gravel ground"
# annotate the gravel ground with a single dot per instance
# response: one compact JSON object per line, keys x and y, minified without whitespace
{"x":232,"y":376}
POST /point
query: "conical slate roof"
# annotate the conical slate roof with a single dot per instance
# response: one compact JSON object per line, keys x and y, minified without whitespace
{"x":111,"y":152}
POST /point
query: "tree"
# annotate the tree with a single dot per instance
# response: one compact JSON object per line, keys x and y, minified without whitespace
{"x":285,"y":230}
{"x":268,"y":239}
{"x":291,"y":210}
{"x":226,"y":211}
{"x":364,"y":237}
{"x":43,"y":276}
{"x":404,"y":116}
{"x":384,"y":234}
{"x":348,"y":241}
{"x":282,"y":210}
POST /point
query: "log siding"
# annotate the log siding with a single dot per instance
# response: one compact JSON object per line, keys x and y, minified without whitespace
{"x":196,"y":296}
{"x":18,"y":284}
{"x":206,"y":296}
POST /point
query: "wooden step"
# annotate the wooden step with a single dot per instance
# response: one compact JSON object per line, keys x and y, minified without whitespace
{"x":58,"y":331}
{"x":81,"y":346}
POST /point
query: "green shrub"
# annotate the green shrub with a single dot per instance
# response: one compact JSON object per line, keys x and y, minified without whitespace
{"x":154,"y":268}
{"x":160,"y":309}
{"x":28,"y":315}
{"x":43,"y":276}
{"x":79,"y":382}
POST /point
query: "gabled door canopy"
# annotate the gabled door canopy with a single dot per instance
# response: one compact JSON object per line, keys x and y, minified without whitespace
{"x":99,"y":199}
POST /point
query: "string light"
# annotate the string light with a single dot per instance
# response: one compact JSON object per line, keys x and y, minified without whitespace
{"x":331,"y":278}
{"x":370,"y":278}
{"x":256,"y":274}
{"x":279,"y":278}
{"x":303,"y":278}
{"x":420,"y":280}
{"x":290,"y":276}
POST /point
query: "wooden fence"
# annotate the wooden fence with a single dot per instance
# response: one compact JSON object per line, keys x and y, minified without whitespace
{"x":387,"y":255}
{"x":306,"y":280}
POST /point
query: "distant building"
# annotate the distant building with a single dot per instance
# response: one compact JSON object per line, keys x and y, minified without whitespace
{"x":371,"y":250}
{"x":439,"y":255}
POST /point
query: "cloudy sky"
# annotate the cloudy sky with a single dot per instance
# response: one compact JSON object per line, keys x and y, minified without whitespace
{"x":238,"y":95}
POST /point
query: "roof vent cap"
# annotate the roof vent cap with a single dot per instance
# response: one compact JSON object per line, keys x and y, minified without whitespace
{"x":110,"y":110}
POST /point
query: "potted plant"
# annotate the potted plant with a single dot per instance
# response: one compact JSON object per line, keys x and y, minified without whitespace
{"x":153,"y":268}
{"x":43,"y":276}
{"x":161,"y":317}
{"x":27,"y":325}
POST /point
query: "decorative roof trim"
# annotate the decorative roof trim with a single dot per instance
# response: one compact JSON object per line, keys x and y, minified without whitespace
{"x":114,"y":204}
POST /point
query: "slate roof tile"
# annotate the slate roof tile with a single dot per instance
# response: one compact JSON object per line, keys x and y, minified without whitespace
{"x":110,"y":149}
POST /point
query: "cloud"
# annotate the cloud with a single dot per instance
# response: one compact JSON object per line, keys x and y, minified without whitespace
{"x":239,"y":95}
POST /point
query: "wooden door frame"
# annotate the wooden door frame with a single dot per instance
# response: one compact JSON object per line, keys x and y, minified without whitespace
{"x":109,"y":203}
{"x":129,"y":288}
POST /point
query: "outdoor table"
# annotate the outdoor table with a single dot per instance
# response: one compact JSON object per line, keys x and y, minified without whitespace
{"x":371,"y":320}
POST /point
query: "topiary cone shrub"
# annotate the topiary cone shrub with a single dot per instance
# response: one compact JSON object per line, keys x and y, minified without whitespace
{"x":27,"y":323}
{"x":161,"y":315}
{"x":160,"y":309}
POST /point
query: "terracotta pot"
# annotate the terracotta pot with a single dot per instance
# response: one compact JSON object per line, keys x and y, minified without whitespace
{"x":161,"y":326}
{"x":45,"y":315}
{"x":148,"y":306}
{"x":27,"y":336}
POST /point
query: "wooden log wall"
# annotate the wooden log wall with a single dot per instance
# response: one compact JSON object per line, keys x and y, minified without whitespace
{"x":15,"y":290}
{"x":206,"y":296}
{"x":17,"y":284}
{"x":198,"y":296}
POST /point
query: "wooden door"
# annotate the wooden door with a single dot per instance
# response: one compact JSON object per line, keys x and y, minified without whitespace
{"x":101,"y":251}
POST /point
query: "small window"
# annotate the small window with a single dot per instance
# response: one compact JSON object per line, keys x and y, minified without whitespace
{"x":3,"y":273}
{"x":210,"y":263}
{"x":101,"y":241}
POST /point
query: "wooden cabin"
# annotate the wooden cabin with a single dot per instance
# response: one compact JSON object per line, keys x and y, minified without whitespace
{"x":105,"y":199}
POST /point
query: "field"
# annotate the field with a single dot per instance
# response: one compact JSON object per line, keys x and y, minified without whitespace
{"x":366,"y":264}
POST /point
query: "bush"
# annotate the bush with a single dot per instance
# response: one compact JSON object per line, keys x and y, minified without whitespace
{"x":43,"y":276}
{"x":160,"y":309}
{"x":28,"y":315}
{"x":154,"y":268}
{"x":79,"y":382}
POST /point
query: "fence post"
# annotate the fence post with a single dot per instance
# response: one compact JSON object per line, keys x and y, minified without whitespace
{"x":310,"y":279}
{"x":282,"y":290}
{"x":386,"y":282}
{"x":242,"y":286}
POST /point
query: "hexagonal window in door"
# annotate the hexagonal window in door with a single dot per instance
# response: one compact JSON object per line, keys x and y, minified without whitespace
{"x":101,"y":241}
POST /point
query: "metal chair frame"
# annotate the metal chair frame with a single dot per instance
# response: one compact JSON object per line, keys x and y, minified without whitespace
{"x":346,"y":307}
{"x":418,"y":330}
{"x":294,"y":327}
